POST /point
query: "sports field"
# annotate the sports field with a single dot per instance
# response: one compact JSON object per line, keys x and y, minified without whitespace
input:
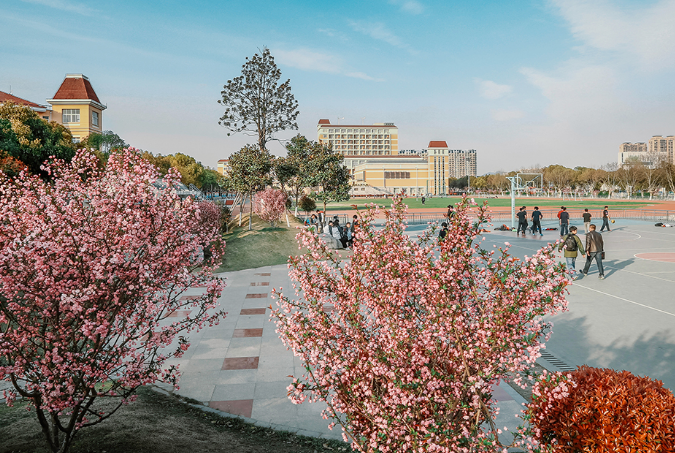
{"x":441,"y":203}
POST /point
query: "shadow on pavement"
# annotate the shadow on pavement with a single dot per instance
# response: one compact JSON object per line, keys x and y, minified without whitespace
{"x":644,"y":353}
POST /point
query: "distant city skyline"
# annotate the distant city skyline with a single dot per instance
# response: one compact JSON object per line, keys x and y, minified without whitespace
{"x":524,"y":83}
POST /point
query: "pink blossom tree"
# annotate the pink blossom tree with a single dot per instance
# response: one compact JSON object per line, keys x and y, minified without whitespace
{"x":270,"y":204}
{"x":405,"y":340}
{"x":210,"y":215}
{"x":92,"y":267}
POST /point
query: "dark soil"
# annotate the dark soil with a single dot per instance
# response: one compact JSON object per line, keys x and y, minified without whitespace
{"x":158,"y":423}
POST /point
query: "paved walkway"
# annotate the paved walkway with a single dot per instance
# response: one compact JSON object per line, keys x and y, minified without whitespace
{"x":241,"y":367}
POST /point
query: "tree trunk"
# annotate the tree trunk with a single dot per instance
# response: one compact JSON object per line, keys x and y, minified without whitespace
{"x":250,"y":212}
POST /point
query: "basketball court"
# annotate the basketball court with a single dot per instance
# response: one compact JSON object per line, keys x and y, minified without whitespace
{"x":625,"y":322}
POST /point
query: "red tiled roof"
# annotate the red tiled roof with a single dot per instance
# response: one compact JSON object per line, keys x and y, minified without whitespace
{"x":438,"y":144}
{"x":76,"y":88}
{"x":6,"y":97}
{"x":324,"y":121}
{"x":223,"y":160}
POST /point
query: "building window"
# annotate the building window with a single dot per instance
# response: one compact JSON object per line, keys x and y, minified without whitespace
{"x":76,"y":139}
{"x":71,"y":116}
{"x":45,"y":117}
{"x":94,"y":119}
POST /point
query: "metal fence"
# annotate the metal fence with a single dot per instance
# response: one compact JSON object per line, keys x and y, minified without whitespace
{"x":415,"y":218}
{"x":596,"y":214}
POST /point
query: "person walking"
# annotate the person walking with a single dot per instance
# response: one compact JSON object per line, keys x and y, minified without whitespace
{"x":573,"y":247}
{"x":451,"y":212}
{"x":423,"y":199}
{"x":605,"y":219}
{"x":587,"y":220}
{"x":536,"y":221}
{"x":564,"y":222}
{"x":522,"y":220}
{"x":595,"y":250}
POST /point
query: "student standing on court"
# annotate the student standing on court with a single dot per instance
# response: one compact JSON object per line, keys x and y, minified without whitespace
{"x":536,"y":221}
{"x":605,"y":219}
{"x":573,"y":247}
{"x":595,"y":249}
{"x":564,"y":222}
{"x":587,"y":220}
{"x":522,"y":220}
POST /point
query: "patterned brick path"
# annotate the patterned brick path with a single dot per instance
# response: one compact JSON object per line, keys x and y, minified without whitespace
{"x":241,"y":367}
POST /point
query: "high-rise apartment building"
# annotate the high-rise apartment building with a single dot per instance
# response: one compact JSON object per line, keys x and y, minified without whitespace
{"x":661,"y":144}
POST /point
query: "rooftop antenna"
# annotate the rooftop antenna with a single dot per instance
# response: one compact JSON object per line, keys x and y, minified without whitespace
{"x":340,"y":119}
{"x":10,"y":89}
{"x":363,"y":120}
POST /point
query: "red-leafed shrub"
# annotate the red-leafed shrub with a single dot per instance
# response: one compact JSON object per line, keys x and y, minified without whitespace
{"x":601,"y":411}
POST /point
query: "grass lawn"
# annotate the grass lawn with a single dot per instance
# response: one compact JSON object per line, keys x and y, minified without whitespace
{"x":442,"y":203}
{"x":158,"y":423}
{"x":262,"y":246}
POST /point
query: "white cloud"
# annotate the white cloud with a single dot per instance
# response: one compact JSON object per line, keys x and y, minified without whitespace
{"x":380,"y":32}
{"x":333,"y":34}
{"x":645,"y":32}
{"x":361,"y":75}
{"x":506,"y":115}
{"x":63,"y":5}
{"x":310,"y":60}
{"x":492,"y":90}
{"x":409,"y":6}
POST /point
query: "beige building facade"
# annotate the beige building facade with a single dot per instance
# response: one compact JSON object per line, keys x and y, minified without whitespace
{"x":371,"y":152}
{"x":379,"y":139}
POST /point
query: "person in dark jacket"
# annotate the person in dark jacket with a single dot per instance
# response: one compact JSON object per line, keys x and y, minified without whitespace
{"x":587,"y":220}
{"x":444,"y":231}
{"x":522,"y":220}
{"x":594,"y":250}
{"x":564,"y":222}
{"x":605,"y":219}
{"x":536,"y":221}
{"x":573,"y":247}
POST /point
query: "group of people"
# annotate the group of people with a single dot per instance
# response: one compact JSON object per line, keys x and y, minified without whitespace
{"x":344,"y":235}
{"x":594,"y":247}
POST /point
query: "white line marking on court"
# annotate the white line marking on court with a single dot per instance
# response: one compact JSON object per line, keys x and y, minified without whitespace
{"x":626,"y":300}
{"x":638,"y":273}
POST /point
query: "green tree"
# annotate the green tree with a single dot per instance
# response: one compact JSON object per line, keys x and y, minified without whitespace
{"x":256,"y":104}
{"x":327,"y":173}
{"x":210,"y":180}
{"x":292,"y":171}
{"x":28,"y":138}
{"x":105,"y":142}
{"x":250,"y":172}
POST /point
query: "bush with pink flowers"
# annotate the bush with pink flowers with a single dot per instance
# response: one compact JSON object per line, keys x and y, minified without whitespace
{"x":405,"y":340}
{"x":92,"y":267}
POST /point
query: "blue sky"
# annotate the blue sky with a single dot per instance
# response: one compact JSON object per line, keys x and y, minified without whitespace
{"x":524,"y":82}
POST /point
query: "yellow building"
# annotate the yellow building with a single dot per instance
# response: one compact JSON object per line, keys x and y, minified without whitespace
{"x":392,"y":174}
{"x":77,"y":107}
{"x":224,"y":166}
